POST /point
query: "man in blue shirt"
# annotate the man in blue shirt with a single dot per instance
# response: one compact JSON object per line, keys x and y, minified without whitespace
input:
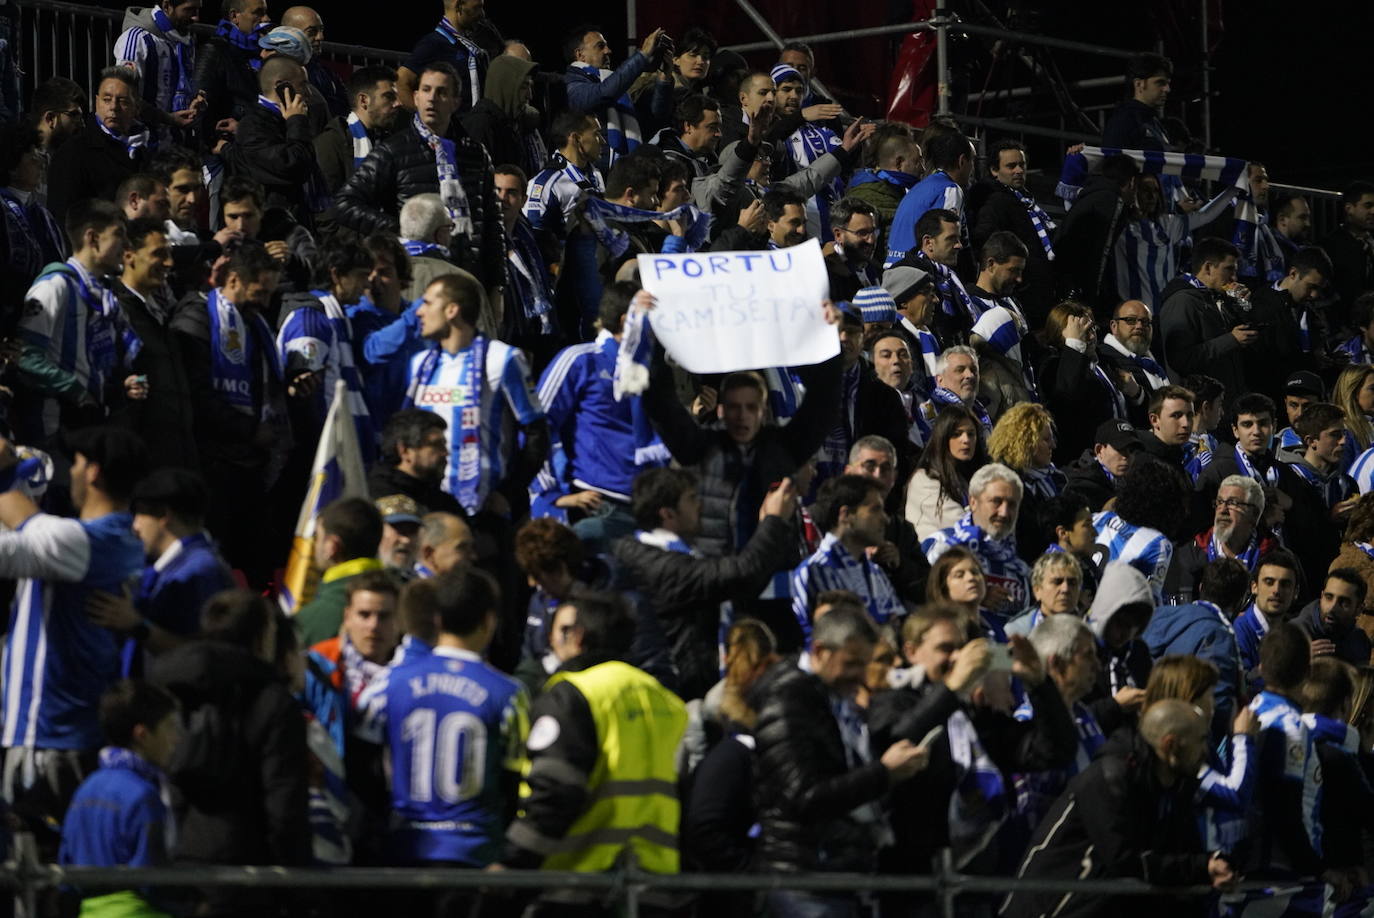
{"x":184,"y":569}
{"x":118,"y":817}
{"x":56,"y":661}
{"x":952,"y":156}
{"x":455,"y":730}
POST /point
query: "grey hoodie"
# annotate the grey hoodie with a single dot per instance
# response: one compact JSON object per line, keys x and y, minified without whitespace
{"x":1121,"y":586}
{"x":142,"y":17}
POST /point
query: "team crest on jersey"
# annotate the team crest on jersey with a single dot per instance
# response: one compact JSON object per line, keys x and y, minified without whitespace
{"x":536,"y":191}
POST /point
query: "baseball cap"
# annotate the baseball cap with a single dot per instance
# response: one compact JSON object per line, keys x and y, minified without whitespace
{"x":1117,"y":434}
{"x":901,"y":281}
{"x":876,"y":305}
{"x":850,"y":313}
{"x":1304,"y":382}
{"x":398,"y":508}
{"x":289,"y":41}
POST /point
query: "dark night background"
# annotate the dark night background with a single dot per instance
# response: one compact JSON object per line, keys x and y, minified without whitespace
{"x":1288,"y":78}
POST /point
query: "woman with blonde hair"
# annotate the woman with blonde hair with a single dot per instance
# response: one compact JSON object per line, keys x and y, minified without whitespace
{"x":1023,"y":440}
{"x":1228,"y":780}
{"x":1354,"y":393}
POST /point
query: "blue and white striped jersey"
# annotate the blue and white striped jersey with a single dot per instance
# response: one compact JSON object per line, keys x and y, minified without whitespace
{"x":554,"y":192}
{"x":1224,"y":793}
{"x":163,"y":59}
{"x":507,"y":399}
{"x":56,"y":662}
{"x":1147,"y":550}
{"x":832,"y":567}
{"x":1287,"y":754}
{"x":1362,"y":470}
{"x":452,"y":724}
{"x":320,"y":338}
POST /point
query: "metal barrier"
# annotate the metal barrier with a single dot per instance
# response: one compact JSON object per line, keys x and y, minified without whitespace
{"x":76,"y":41}
{"x":626,"y":886}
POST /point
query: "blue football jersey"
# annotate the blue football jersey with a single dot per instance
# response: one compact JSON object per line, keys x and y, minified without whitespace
{"x":452,"y":725}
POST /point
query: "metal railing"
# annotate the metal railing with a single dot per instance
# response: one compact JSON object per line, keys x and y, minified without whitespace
{"x":76,"y":41}
{"x":625,"y":887}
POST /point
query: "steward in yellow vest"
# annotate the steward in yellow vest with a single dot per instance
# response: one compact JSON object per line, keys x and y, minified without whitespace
{"x":602,"y":780}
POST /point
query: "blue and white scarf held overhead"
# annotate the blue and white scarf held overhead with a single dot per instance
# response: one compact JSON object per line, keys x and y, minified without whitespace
{"x":622,"y":123}
{"x":1184,"y":166}
{"x":600,"y":213}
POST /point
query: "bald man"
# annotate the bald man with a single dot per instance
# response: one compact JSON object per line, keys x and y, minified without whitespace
{"x":275,"y":143}
{"x":321,"y":75}
{"x":1128,"y":814}
{"x":445,"y":540}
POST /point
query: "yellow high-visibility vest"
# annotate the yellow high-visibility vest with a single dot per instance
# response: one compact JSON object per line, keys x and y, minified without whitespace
{"x":632,"y":800}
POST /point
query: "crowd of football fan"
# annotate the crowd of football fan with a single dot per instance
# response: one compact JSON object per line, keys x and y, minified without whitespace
{"x":1063,"y":567}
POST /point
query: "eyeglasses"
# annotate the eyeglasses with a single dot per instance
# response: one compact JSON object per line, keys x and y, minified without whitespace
{"x":1133,"y":321}
{"x":1231,"y":503}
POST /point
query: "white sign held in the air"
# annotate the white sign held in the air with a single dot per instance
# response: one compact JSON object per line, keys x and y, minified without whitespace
{"x":724,"y":311}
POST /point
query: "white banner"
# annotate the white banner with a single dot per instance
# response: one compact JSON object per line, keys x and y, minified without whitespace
{"x":724,"y":311}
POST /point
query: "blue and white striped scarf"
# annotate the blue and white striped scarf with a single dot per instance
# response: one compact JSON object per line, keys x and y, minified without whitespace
{"x":131,"y":143}
{"x":622,"y":122}
{"x":1191,"y":166}
{"x":1263,"y":256}
{"x":234,"y":343}
{"x":903,"y":180}
{"x":450,"y":188}
{"x":600,"y":212}
{"x":183,"y":80}
{"x":110,"y":339}
{"x":1044,"y":483}
{"x":1248,"y":468}
{"x":1249,"y":556}
{"x":362,"y":143}
{"x":248,"y":44}
{"x":636,"y":350}
{"x":1039,"y":219}
{"x":417,"y":248}
{"x":980,"y":802}
{"x":526,"y":276}
{"x":472,"y":382}
{"x":1002,"y":329}
{"x":1356,"y":349}
{"x":474,"y":53}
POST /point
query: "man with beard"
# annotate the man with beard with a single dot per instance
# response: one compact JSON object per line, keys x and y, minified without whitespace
{"x":400,"y":534}
{"x":854,"y":224}
{"x":414,"y":456}
{"x":808,"y":143}
{"x":989,"y":531}
{"x":938,"y":244}
{"x":1236,"y":532}
{"x":373,"y":115}
{"x":956,"y":383}
{"x":1125,"y":355}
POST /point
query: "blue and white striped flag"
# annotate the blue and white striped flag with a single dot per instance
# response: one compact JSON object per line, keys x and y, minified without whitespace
{"x":337,"y":472}
{"x":1186,"y":166}
{"x":599,"y":212}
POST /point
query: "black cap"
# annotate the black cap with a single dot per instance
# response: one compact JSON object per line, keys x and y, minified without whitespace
{"x":1304,"y":382}
{"x":1117,"y":434}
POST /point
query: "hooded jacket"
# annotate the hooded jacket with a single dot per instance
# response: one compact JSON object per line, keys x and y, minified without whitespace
{"x":1200,"y":629}
{"x":155,"y":44}
{"x":501,"y":120}
{"x":1121,"y":587}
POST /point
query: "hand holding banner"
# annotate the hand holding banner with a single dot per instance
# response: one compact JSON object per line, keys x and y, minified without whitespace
{"x":718,"y":312}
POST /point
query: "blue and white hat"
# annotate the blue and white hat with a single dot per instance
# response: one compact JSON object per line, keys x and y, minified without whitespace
{"x":876,"y":304}
{"x":781,"y":73}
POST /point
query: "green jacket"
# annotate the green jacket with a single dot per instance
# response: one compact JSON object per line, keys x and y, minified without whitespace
{"x":322,"y":617}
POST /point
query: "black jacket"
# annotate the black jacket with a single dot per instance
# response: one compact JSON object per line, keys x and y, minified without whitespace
{"x":166,"y":418}
{"x":261,"y":817}
{"x":384,"y":480}
{"x":1089,"y":480}
{"x":1116,"y":820}
{"x":920,"y":807}
{"x":1354,"y":272}
{"x":1077,"y":397}
{"x":90,"y":164}
{"x":685,"y":592}
{"x":277,"y":153}
{"x":230,"y":83}
{"x":1085,"y":241}
{"x":878,"y":410}
{"x":502,"y":135}
{"x":1277,"y":354}
{"x":993,"y":208}
{"x":805,"y":789}
{"x":334,"y":154}
{"x":403,"y":166}
{"x":1134,"y":125}
{"x":1196,"y":336}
